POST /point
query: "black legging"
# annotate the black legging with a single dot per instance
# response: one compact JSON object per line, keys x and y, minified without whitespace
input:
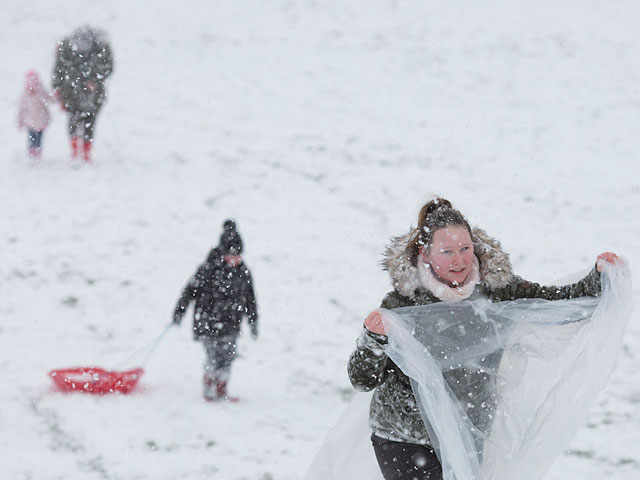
{"x":406,"y":461}
{"x":221,"y":352}
{"x":82,"y":124}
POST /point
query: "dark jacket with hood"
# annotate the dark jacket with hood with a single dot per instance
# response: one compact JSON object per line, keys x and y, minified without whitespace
{"x":394,"y":413}
{"x":82,"y":58}
{"x":223,"y":294}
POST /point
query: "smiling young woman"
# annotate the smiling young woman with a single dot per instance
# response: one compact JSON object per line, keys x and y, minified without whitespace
{"x":442,"y":260}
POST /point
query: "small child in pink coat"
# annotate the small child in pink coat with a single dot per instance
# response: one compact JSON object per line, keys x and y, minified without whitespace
{"x":33,"y":113}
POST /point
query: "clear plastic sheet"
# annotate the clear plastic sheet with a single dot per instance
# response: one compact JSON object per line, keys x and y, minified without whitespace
{"x":346,"y":453}
{"x":502,"y":387}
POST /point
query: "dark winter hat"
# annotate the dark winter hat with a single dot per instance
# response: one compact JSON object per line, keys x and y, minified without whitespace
{"x":230,"y":241}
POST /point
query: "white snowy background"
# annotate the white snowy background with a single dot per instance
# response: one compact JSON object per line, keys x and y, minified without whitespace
{"x":321,"y":127}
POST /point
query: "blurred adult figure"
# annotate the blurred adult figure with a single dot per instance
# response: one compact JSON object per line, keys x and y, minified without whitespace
{"x":83,"y":64}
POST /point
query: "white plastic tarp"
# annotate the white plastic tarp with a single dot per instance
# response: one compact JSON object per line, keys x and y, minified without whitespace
{"x":502,"y":387}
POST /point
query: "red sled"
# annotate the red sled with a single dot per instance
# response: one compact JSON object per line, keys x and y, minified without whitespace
{"x":95,"y":380}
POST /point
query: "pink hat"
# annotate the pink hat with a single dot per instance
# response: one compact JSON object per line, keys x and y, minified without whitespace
{"x":32,"y":78}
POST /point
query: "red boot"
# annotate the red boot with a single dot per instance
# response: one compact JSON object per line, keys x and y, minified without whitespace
{"x":74,"y":147}
{"x":34,"y":153}
{"x":86,"y":153}
{"x":221,"y":391}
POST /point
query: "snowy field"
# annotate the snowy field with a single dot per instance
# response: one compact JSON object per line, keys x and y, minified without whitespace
{"x":321,"y":126}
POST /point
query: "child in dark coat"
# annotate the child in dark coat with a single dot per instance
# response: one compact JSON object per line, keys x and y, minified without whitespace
{"x":222,"y":291}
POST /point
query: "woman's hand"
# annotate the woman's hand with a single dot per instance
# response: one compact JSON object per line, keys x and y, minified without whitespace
{"x":605,"y":257}
{"x":58,"y":96}
{"x":373,"y":323}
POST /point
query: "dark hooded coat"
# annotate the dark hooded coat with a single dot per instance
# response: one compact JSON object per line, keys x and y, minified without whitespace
{"x":223,"y":294}
{"x":83,"y":57}
{"x":394,"y":413}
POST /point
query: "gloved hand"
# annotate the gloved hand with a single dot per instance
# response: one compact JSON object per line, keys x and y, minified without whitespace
{"x":254,"y":331}
{"x":177,"y":318}
{"x":58,"y":96}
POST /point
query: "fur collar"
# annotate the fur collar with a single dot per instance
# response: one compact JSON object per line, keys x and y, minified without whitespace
{"x":495,"y":267}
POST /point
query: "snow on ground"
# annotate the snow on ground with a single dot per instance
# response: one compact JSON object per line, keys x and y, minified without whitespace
{"x":321,"y":127}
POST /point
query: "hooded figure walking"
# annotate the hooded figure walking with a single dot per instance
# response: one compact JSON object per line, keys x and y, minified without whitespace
{"x":83,"y":64}
{"x":222,"y":290}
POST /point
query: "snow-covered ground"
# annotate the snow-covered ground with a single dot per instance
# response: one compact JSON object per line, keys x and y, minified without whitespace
{"x":321,"y":126}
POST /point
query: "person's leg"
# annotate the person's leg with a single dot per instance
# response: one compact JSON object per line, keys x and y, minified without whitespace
{"x":406,"y":461}
{"x":208,"y":380}
{"x":74,"y":146}
{"x":74,"y":127}
{"x":220,"y":354}
{"x":32,"y":143}
{"x":226,"y":354}
{"x":89,"y":119}
{"x":37,"y":142}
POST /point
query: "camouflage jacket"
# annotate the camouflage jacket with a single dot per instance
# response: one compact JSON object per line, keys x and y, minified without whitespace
{"x":394,"y":413}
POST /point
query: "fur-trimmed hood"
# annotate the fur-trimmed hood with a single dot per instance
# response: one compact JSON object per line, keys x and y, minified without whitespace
{"x":495,"y":267}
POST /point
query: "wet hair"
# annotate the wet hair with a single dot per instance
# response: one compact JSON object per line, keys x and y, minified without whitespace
{"x":434,"y":215}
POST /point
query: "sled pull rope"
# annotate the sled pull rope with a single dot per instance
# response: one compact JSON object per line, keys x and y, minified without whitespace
{"x":150,"y":349}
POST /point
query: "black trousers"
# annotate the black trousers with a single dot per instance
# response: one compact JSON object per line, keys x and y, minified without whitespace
{"x":35,"y":138}
{"x":406,"y":461}
{"x":221,"y":352}
{"x":82,"y":124}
